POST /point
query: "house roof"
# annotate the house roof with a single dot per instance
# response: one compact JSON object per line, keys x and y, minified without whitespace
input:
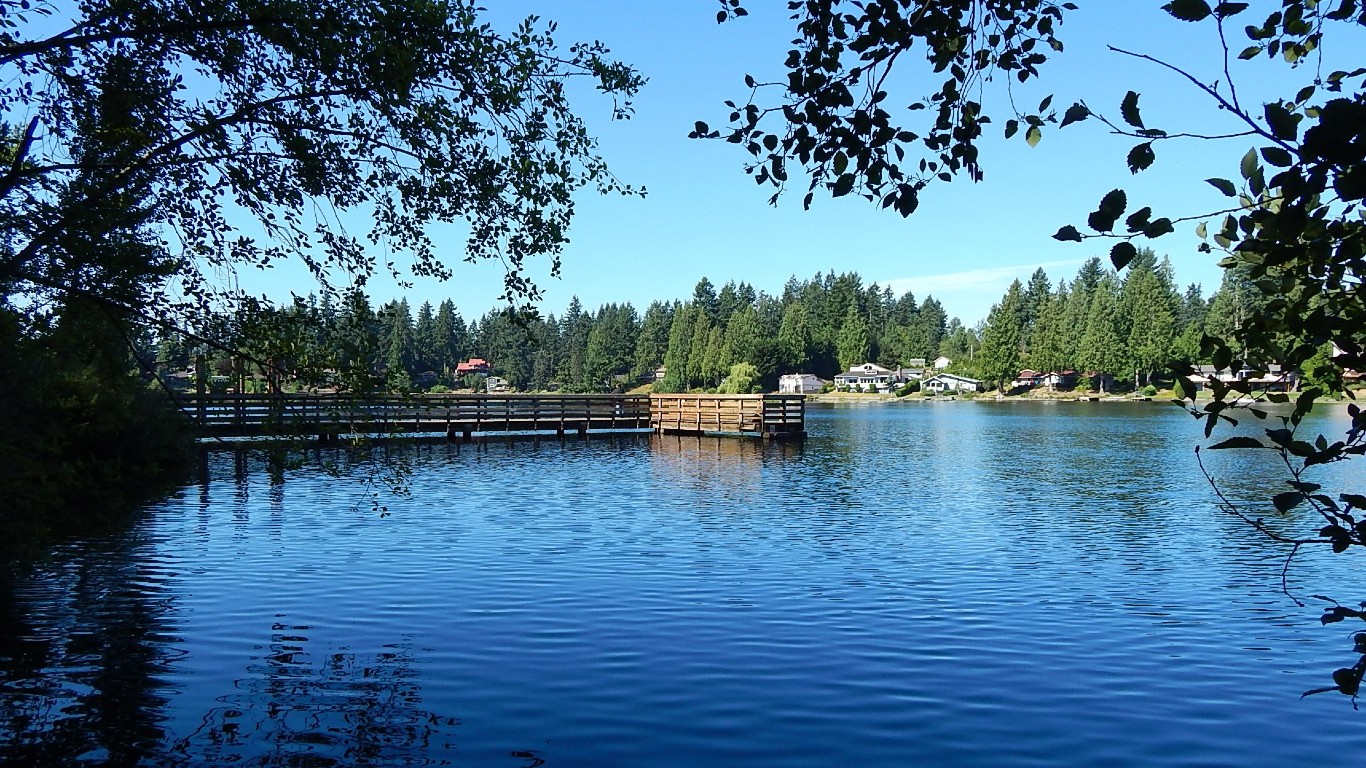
{"x":867,"y":368}
{"x":953,"y":376}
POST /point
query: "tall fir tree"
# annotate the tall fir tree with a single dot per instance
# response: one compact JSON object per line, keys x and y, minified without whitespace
{"x":1003,"y":338}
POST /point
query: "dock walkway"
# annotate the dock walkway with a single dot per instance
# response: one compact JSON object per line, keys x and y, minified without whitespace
{"x":462,"y":416}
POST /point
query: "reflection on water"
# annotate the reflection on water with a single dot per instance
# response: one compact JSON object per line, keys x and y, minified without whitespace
{"x":83,"y":648}
{"x":296,"y":706}
{"x":938,"y":583}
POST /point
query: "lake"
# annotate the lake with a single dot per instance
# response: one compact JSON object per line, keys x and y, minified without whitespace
{"x":949,"y":583}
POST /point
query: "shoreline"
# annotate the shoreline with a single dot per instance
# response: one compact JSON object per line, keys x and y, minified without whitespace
{"x":1163,"y":397}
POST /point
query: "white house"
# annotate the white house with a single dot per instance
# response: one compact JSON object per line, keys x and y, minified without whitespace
{"x":864,"y":376}
{"x":799,"y":384}
{"x":940,"y":383}
{"x":941,"y":362}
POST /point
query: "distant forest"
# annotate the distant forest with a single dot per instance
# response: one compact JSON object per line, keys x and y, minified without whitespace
{"x":1130,"y":327}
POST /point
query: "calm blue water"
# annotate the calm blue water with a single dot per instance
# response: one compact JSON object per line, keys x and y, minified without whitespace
{"x":937,"y":583}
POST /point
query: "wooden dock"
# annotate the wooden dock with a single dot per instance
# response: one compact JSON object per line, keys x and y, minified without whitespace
{"x":463,"y":416}
{"x":767,"y":416}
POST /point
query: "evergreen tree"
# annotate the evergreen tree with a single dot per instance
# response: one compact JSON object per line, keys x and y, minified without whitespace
{"x":1003,"y":338}
{"x":449,"y":332}
{"x":853,"y":344}
{"x":1190,"y":323}
{"x":610,"y":345}
{"x":653,"y":339}
{"x":1148,"y":307}
{"x":575,"y":326}
{"x":678,"y":356}
{"x":1037,"y":293}
{"x":794,"y":338}
{"x":1101,"y":350}
{"x":545,"y":357}
{"x":396,"y":320}
{"x":425,"y":339}
{"x":1233,"y":307}
{"x":728,"y":302}
{"x":1048,"y":350}
{"x":961,"y":345}
{"x":743,"y":335}
{"x":357,"y":339}
{"x":704,"y":297}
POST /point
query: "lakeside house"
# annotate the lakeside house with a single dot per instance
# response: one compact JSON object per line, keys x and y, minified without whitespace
{"x":800,"y":384}
{"x":1055,"y":379}
{"x":941,"y":383}
{"x":496,"y":384}
{"x":941,"y":362}
{"x":1276,"y":378}
{"x":864,"y":376}
{"x":473,"y":365}
{"x":873,"y":377}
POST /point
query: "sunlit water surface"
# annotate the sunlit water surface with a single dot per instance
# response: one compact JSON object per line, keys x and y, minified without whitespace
{"x":936,"y":584}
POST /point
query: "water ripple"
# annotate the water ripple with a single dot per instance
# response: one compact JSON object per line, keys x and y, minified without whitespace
{"x":947,"y":584}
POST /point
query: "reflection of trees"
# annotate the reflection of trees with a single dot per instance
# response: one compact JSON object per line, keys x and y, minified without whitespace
{"x":727,"y":464}
{"x":82,"y":644}
{"x":297,"y":708}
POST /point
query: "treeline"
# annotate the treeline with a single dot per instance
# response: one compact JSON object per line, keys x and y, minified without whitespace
{"x":1128,"y":327}
{"x":822,"y":325}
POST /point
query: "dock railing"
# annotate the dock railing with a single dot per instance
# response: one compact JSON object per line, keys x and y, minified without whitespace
{"x":454,"y":414}
{"x":463,"y":415}
{"x":758,"y":415}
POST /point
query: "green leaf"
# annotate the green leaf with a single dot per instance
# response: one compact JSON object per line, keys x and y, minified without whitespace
{"x":1068,"y":233}
{"x":842,"y":185}
{"x":1284,"y":123}
{"x":1012,"y":127}
{"x":1188,"y":10}
{"x":1201,"y":231}
{"x":1221,"y":357}
{"x":1123,"y":253}
{"x":1287,"y":501}
{"x":1113,"y":203}
{"x":1223,"y":185}
{"x":1225,"y":10}
{"x":1033,"y":136}
{"x":1140,"y":157}
{"x":1237,"y":442}
{"x":1277,"y":157}
{"x":1248,"y":167}
{"x":1355,"y":500}
{"x":1138,"y":220}
{"x":1128,"y":109}
{"x":1159,"y":227}
{"x":1074,"y":114}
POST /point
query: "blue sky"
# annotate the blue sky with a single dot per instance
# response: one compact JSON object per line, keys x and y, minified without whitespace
{"x":704,"y":216}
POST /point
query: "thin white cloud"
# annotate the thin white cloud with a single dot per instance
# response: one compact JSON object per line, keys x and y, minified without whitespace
{"x":969,"y":294}
{"x":971,"y":279}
